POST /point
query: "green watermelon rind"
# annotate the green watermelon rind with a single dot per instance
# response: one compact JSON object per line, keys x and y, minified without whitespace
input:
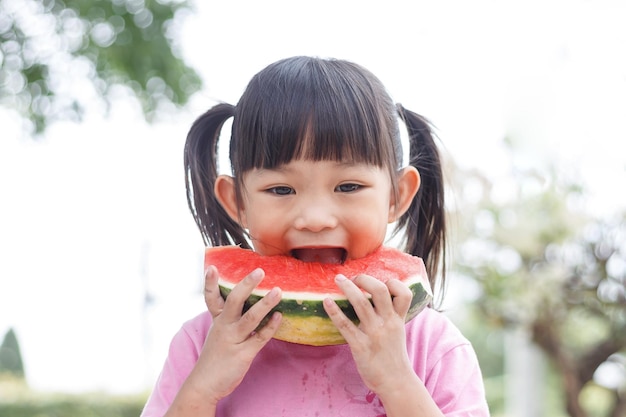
{"x":297,"y":308}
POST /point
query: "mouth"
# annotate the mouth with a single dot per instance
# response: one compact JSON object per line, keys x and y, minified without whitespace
{"x":321,"y":255}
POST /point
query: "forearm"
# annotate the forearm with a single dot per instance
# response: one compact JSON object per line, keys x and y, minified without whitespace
{"x":191,"y":401}
{"x":410,"y":399}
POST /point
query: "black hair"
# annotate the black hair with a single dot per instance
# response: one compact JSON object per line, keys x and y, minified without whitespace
{"x":317,"y":109}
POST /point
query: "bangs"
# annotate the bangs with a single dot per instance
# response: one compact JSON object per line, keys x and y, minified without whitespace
{"x":307,"y":108}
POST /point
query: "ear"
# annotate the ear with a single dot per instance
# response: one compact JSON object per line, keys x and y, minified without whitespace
{"x":226,"y":195}
{"x":408,"y":184}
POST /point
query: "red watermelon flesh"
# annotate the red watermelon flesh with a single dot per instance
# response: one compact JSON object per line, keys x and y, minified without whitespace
{"x":305,"y":284}
{"x":293,"y":275}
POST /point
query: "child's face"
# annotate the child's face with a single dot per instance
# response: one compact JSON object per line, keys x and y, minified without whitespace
{"x":315,"y":205}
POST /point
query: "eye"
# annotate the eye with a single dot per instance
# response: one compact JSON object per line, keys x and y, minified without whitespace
{"x":281,"y":190}
{"x":348,"y":188}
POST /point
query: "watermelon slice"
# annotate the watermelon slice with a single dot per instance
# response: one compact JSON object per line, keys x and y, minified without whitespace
{"x":305,"y":285}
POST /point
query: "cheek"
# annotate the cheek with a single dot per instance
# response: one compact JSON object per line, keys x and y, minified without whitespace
{"x":265,"y":223}
{"x":368,"y":222}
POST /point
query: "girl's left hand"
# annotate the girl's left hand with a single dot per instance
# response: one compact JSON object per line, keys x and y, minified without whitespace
{"x":378,"y":343}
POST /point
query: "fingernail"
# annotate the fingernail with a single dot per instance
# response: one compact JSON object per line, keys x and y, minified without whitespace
{"x":273,"y":292}
{"x":340,"y":277}
{"x":256,"y":274}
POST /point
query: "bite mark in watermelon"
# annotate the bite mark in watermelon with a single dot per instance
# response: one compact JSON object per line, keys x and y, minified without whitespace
{"x":305,"y":285}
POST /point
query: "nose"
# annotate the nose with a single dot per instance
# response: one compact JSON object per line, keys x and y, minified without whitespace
{"x":315,"y":215}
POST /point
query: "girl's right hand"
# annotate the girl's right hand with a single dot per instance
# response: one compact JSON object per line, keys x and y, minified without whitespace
{"x":233,"y":340}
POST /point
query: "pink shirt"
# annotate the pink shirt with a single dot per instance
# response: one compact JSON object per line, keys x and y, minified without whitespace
{"x":288,"y":379}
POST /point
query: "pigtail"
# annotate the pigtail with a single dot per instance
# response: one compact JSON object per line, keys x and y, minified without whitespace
{"x":216,"y":226}
{"x":425,"y":220}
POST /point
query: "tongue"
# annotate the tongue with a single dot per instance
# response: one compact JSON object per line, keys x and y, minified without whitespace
{"x":322,"y":255}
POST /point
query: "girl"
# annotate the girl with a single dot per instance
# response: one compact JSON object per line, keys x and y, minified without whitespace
{"x":316,"y":173}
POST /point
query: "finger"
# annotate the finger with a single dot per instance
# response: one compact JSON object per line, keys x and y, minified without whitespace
{"x":402,"y":296}
{"x":370,"y":309}
{"x":212,"y":297}
{"x":381,"y":296}
{"x":235,"y":300}
{"x":255,"y":314}
{"x":264,"y":334}
{"x":360,"y":301}
{"x":348,"y":330}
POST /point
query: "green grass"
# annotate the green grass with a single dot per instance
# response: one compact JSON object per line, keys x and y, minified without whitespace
{"x":17,"y":400}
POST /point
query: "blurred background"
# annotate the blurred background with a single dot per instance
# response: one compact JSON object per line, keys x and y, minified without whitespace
{"x":100,"y":261}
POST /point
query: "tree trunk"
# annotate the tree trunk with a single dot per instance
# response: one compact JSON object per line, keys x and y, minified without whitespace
{"x":620,"y":406}
{"x":545,"y":336}
{"x":572,"y":388}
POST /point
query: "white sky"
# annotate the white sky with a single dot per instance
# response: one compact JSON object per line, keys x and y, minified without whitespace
{"x":96,"y":213}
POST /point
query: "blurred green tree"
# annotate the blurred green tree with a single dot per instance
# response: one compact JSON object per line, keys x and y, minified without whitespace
{"x":11,"y":356}
{"x":545,"y":266}
{"x":55,"y":52}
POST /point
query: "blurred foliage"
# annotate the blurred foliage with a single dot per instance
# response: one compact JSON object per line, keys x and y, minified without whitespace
{"x":55,"y":53}
{"x":543,"y":264}
{"x":16,"y":400}
{"x":11,"y":356}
